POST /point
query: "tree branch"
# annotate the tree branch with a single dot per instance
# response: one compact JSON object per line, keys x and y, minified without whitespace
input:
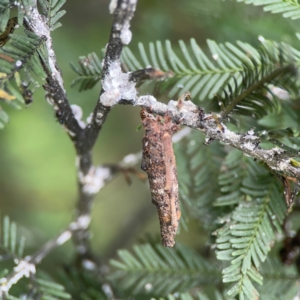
{"x":55,"y":91}
{"x":26,"y":266}
{"x":187,"y":113}
{"x":120,"y":35}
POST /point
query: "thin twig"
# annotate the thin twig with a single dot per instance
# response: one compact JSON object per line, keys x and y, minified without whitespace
{"x":187,"y":113}
{"x":120,"y":35}
{"x":26,"y":266}
{"x":55,"y":91}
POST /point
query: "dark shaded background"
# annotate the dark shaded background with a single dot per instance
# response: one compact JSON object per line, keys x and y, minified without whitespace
{"x":37,"y":159}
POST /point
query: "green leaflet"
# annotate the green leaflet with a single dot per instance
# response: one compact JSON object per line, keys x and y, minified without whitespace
{"x":156,"y":270}
{"x":198,"y":296}
{"x":51,"y":10}
{"x":279,"y":283}
{"x":89,"y":71}
{"x":288,"y":9}
{"x":12,"y":244}
{"x":198,"y":167}
{"x":228,"y":66}
{"x":20,"y":53}
{"x":45,"y":289}
{"x":249,"y":233}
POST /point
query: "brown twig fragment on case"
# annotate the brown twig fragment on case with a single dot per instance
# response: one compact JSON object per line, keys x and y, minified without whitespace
{"x":160,"y":164}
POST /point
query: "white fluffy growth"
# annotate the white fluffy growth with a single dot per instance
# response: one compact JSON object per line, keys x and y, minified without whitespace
{"x":65,"y":236}
{"x":89,"y":118}
{"x":81,"y":223}
{"x":77,"y":112}
{"x":112,"y":6}
{"x":94,"y":180}
{"x":117,"y":86}
{"x":250,"y":135}
{"x":131,"y":159}
{"x":89,"y":265}
{"x":249,"y":146}
{"x":230,"y":135}
{"x":279,"y":92}
{"x":23,"y":269}
{"x":126,"y":35}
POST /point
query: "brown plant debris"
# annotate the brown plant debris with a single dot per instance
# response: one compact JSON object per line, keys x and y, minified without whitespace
{"x":4,"y":37}
{"x":160,"y":164}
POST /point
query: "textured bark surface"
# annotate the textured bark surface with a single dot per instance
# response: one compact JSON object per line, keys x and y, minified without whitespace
{"x":160,"y":164}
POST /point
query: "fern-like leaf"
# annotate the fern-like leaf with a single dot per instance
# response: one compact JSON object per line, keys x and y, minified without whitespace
{"x":196,"y":296}
{"x":89,"y":71}
{"x":159,"y":271}
{"x":198,"y":166}
{"x":193,"y":70}
{"x":43,"y":289}
{"x":52,"y":12}
{"x":250,"y":93}
{"x":84,"y":284}
{"x":205,"y":75}
{"x":288,"y":9}
{"x":248,"y":234}
{"x":279,"y":282}
{"x":231,"y":179}
{"x":46,"y":289}
{"x":5,"y":6}
{"x":11,"y":243}
{"x":21,"y":53}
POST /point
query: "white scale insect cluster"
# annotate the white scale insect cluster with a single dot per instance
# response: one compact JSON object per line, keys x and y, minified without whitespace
{"x":117,"y":86}
{"x":94,"y":180}
{"x":126,"y":34}
{"x":23,"y":269}
{"x":77,"y":112}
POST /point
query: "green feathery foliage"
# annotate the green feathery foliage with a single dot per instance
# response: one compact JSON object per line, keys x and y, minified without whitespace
{"x":5,"y":11}
{"x":155,"y":270}
{"x":11,"y":243}
{"x":5,"y":6}
{"x":20,"y":53}
{"x":198,"y":167}
{"x":248,"y":234}
{"x":43,"y":290}
{"x":242,"y":72}
{"x":51,"y":10}
{"x":287,"y":118}
{"x":89,"y":71}
{"x":231,"y":179}
{"x":196,"y":296}
{"x":288,"y":8}
{"x":253,"y":95}
{"x":218,"y":185}
{"x":279,"y":283}
{"x":47,"y":290}
{"x":204,"y":76}
{"x":83,"y":284}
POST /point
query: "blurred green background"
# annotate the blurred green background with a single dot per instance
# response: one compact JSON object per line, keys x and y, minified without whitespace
{"x":37,"y":160}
